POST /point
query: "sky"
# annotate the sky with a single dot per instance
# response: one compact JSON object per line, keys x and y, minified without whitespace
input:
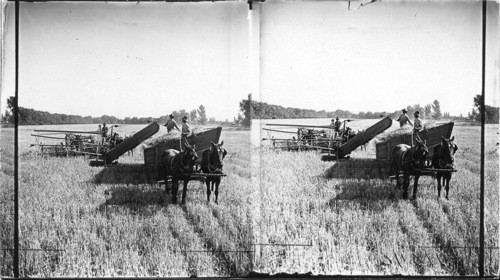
{"x":128,"y":59}
{"x":148,"y":59}
{"x":379,"y":57}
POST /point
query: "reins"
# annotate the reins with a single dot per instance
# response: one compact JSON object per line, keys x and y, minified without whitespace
{"x":184,"y":168}
{"x":440,"y":161}
{"x":409,"y":160}
{"x":210,"y":166}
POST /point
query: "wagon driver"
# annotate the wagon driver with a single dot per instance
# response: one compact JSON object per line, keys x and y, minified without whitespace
{"x":104,"y":132}
{"x":186,"y":130}
{"x":336,"y":126}
{"x":403,"y":119}
{"x":417,"y":124}
{"x":171,"y":124}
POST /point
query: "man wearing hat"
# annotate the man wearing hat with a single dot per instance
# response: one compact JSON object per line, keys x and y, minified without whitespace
{"x":185,"y":131}
{"x":171,"y":124}
{"x":332,"y":124}
{"x":403,"y":119}
{"x":337,"y":124}
{"x":417,"y":126}
{"x":104,"y":133}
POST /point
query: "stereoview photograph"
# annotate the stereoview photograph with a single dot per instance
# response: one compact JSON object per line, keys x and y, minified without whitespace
{"x":249,"y":138}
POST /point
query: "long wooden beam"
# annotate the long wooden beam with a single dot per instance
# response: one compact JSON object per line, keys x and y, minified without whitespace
{"x":68,"y":131}
{"x":286,"y":140}
{"x":299,"y":125}
{"x":281,"y":131}
{"x":51,"y":137}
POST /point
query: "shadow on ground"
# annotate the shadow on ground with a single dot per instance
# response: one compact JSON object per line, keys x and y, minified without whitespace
{"x":143,"y":200}
{"x":356,"y":168}
{"x":364,"y":182}
{"x":366,"y":195}
{"x":127,"y":174}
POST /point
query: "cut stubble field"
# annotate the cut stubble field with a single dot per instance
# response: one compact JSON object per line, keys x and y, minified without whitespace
{"x":116,"y":221}
{"x":357,"y":222}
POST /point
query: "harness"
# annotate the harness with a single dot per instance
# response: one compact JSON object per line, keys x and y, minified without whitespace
{"x":211,"y":167}
{"x":184,"y":168}
{"x":446,"y":165}
{"x":409,"y":160}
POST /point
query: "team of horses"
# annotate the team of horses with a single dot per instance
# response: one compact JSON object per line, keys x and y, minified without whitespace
{"x":180,"y":165}
{"x":406,"y":161}
{"x":412,"y":160}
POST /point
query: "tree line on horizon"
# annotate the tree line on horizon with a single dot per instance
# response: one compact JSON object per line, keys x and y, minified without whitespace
{"x":251,"y":110}
{"x":261,"y":110}
{"x":28,"y":116}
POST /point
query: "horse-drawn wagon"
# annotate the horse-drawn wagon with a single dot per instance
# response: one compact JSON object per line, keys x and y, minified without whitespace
{"x":198,"y":157}
{"x":201,"y":141}
{"x":432,"y":136}
{"x":428,"y":153}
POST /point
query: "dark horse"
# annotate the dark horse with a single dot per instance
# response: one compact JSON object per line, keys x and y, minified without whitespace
{"x":443,"y":158}
{"x":178,"y":165}
{"x":409,"y":160}
{"x":211,"y":162}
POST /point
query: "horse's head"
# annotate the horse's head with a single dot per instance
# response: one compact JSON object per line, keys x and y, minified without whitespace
{"x":447,"y":153}
{"x":421,"y":152}
{"x":189,"y":156}
{"x":217,"y":154}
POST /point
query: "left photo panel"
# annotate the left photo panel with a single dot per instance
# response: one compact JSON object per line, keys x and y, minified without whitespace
{"x":134,"y":151}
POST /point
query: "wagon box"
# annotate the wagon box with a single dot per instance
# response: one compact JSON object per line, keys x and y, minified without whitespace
{"x":432,"y":136}
{"x":201,"y":141}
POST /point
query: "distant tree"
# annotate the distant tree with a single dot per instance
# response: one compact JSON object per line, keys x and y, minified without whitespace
{"x":239,"y":120}
{"x":428,"y":111}
{"x":193,"y":116}
{"x":491,"y":113}
{"x":247,"y":108}
{"x":10,"y":103}
{"x":436,"y":108}
{"x":9,"y":112}
{"x":202,"y":115}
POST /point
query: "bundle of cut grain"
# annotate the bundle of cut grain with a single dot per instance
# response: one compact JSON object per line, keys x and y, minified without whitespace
{"x":405,"y":130}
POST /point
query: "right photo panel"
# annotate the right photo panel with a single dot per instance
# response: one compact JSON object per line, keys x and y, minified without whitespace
{"x":366,"y":124}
